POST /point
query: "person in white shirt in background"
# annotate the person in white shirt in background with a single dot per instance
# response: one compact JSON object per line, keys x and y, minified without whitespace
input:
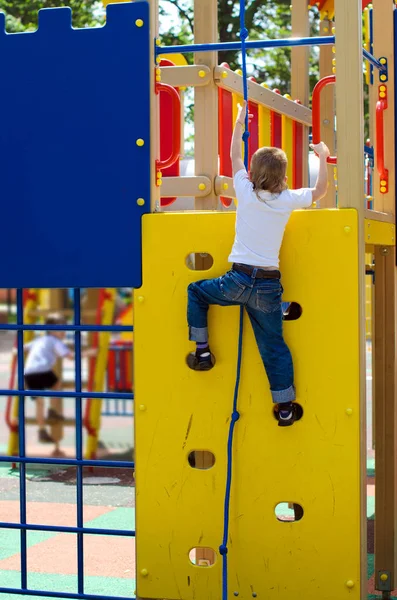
{"x":43,"y":353}
{"x":264,"y":205}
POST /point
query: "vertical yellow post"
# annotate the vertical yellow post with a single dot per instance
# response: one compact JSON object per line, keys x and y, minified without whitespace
{"x":349,"y":103}
{"x":300,"y":71}
{"x":287,"y":143}
{"x":206,"y":101}
{"x":28,"y":319}
{"x":100,"y":372}
{"x":264,"y":124}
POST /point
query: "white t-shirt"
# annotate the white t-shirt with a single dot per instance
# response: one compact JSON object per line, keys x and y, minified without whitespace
{"x":43,"y":354}
{"x":261,"y":220}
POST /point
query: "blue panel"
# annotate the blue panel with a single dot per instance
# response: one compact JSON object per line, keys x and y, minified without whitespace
{"x":73,"y":103}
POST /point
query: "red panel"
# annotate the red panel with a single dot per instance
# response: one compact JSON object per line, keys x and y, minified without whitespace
{"x":225,"y":132}
{"x":276,"y":127}
{"x":166,"y":128}
{"x":253,"y":142}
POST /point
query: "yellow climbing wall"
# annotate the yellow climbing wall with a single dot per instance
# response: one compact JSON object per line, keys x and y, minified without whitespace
{"x":316,"y":463}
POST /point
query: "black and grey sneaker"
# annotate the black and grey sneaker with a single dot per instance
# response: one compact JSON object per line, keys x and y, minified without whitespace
{"x":288,"y":413}
{"x":201,"y":360}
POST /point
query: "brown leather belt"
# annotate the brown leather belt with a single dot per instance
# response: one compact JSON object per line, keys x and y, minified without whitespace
{"x":260,"y":273}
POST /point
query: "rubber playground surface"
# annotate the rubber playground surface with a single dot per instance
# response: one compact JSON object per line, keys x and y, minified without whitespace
{"x":109,"y":503}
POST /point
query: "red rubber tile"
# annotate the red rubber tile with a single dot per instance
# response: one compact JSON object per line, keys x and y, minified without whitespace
{"x":104,"y":556}
{"x":49,"y":513}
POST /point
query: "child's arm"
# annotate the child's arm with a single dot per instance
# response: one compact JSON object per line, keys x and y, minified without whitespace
{"x":320,"y":189}
{"x":236,"y":147}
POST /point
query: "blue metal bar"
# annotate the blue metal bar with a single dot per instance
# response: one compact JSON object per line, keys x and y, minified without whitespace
{"x":45,"y":594}
{"x":21,"y":439}
{"x":374,"y":61}
{"x":62,"y":529}
{"x":79,"y":443}
{"x":18,"y":327}
{"x":72,"y":462}
{"x":53,"y":394}
{"x":328,"y":40}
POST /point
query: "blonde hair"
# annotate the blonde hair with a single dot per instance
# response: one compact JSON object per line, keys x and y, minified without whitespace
{"x":268,"y":169}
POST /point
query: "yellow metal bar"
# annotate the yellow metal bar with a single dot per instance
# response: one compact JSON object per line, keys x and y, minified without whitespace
{"x":28,"y":319}
{"x":264,"y":123}
{"x":100,"y":371}
{"x":287,"y":142}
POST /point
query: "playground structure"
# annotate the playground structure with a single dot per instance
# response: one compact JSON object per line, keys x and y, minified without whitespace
{"x":182,"y":417}
{"x":110,"y":370}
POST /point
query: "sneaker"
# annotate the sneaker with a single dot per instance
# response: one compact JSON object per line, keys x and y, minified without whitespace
{"x":44,"y":437}
{"x":201,"y":361}
{"x":287,"y":414}
{"x":53,"y":417}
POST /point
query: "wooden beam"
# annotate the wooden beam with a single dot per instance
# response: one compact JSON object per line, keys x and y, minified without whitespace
{"x":199,"y":187}
{"x":190,"y":75}
{"x":385,"y":418}
{"x":206,"y":101}
{"x":228,"y":80}
{"x":300,"y":71}
{"x":154,"y":111}
{"x":350,"y":143}
{"x":327,"y":111}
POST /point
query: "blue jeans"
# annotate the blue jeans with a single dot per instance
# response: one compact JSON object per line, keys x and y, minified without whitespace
{"x":262,"y":301}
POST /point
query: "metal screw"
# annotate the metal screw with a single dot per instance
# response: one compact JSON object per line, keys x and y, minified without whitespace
{"x":384,"y":251}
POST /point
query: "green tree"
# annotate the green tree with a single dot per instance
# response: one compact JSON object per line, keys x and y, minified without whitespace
{"x":21,"y":15}
{"x":264,"y":20}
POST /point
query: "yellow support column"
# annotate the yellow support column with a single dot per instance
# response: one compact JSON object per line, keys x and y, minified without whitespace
{"x":100,"y":372}
{"x":28,"y":319}
{"x":287,"y":143}
{"x":349,"y":103}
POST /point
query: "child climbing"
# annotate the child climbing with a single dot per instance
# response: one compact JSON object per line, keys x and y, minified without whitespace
{"x":264,"y":206}
{"x":43,"y":353}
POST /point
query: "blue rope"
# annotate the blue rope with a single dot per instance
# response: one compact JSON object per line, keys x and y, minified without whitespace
{"x":223,"y":549}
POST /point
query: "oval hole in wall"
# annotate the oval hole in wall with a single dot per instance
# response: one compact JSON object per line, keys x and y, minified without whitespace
{"x":199,"y":261}
{"x":288,"y":512}
{"x":202,"y":556}
{"x":201,"y":459}
{"x":291,"y":311}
